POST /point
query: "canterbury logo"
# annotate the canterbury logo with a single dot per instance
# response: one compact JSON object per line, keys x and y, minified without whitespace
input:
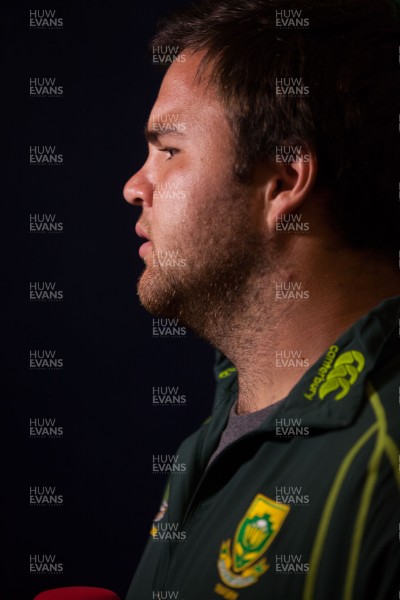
{"x":227,"y":373}
{"x":336,"y":374}
{"x":344,"y":374}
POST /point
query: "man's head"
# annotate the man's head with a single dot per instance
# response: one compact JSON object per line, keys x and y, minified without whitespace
{"x":271,"y":109}
{"x":342,"y":56}
{"x":206,"y":228}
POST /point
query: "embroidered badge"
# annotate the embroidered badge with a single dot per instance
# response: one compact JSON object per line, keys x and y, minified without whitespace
{"x":336,"y":374}
{"x":241,"y":562}
{"x":344,"y":374}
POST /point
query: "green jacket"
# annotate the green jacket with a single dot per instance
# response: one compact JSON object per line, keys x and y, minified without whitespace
{"x":305,"y":507}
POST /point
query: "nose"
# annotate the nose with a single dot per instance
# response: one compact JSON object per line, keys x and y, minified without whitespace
{"x":138,"y":190}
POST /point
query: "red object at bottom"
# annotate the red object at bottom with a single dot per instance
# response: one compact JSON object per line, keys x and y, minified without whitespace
{"x":77,"y":593}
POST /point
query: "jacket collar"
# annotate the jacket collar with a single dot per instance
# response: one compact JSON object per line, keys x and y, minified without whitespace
{"x":331,"y":392}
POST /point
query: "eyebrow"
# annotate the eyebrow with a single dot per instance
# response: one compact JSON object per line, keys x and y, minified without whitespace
{"x":153,"y":136}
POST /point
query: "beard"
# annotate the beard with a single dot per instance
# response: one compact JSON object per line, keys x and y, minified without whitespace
{"x":221,"y":260}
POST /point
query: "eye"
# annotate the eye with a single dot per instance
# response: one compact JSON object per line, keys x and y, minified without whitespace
{"x":170,"y":151}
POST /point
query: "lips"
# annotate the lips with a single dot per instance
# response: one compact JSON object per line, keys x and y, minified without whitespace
{"x":140,"y":232}
{"x":147,"y":245}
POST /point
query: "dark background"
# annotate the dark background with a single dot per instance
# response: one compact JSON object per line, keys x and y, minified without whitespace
{"x":103,"y":395}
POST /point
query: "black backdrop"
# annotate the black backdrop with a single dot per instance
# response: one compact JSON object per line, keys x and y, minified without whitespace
{"x":101,"y":398}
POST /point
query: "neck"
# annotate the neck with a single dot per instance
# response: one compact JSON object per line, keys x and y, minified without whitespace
{"x":278,"y":332}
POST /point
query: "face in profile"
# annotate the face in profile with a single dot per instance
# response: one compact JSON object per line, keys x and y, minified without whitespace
{"x":205,"y":228}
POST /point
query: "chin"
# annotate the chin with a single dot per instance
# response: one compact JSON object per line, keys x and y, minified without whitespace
{"x":158,"y":296}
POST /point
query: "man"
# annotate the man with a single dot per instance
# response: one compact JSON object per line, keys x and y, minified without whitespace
{"x":279,"y":160}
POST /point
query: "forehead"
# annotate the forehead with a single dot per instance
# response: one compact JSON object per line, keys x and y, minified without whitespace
{"x":184,"y":96}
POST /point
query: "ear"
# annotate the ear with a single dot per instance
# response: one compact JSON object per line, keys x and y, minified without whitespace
{"x":291,"y":179}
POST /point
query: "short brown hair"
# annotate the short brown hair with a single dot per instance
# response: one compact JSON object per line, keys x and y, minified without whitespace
{"x":346,"y":53}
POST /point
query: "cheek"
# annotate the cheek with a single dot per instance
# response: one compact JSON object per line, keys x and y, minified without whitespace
{"x":174,"y":207}
{"x":190,"y":200}
{"x":169,"y":219}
